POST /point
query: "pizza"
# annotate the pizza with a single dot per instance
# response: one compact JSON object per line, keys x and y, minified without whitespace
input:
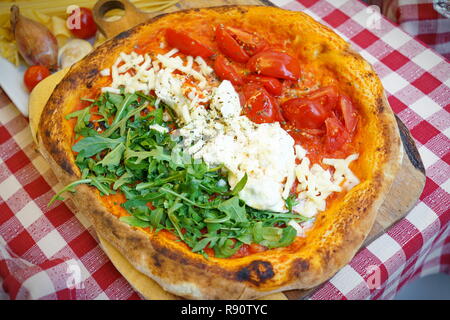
{"x":227,"y":152}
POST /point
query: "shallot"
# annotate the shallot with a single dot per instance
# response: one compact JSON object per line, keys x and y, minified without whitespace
{"x":36,"y":44}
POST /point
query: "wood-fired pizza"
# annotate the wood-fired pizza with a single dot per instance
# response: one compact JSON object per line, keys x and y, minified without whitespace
{"x":227,"y":152}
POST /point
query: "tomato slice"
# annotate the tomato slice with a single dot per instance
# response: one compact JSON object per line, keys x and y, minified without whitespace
{"x":251,"y":42}
{"x":238,"y":44}
{"x":209,"y":251}
{"x":255,"y":248}
{"x":243,"y":251}
{"x":305,"y":113}
{"x":272,"y":85}
{"x":248,"y":249}
{"x":327,"y":96}
{"x":34,"y":75}
{"x":226,"y":71}
{"x":260,"y":106}
{"x":337,"y":135}
{"x":229,"y":46}
{"x":186,"y":44}
{"x":275,"y":64}
{"x":349,"y":113}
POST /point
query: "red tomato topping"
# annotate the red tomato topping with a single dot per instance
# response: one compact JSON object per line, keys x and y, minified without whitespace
{"x":237,"y":44}
{"x":251,"y":42}
{"x":186,"y":44}
{"x":209,"y":251}
{"x":255,"y":248}
{"x":248,"y":249}
{"x":226,"y":71}
{"x":327,"y":96}
{"x":260,"y":106}
{"x":34,"y":75}
{"x":81,"y":23}
{"x":272,"y":85}
{"x":305,"y":113}
{"x":349,"y":113}
{"x":337,"y":135}
{"x":275,"y":64}
{"x":229,"y":46}
{"x":242,"y":252}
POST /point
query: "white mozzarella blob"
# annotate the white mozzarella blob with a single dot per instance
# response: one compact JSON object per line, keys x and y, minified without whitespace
{"x":268,"y":160}
{"x":226,"y":100}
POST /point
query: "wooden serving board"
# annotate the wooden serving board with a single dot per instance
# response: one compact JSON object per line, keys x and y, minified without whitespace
{"x":404,"y":193}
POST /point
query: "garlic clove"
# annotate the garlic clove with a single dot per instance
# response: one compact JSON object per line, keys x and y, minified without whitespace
{"x":73,"y":51}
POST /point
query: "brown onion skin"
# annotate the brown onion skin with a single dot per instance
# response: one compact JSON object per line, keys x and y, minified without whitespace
{"x":36,"y":44}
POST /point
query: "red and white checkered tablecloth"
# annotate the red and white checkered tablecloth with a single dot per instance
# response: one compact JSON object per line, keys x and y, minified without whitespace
{"x":422,"y":21}
{"x":52,"y":253}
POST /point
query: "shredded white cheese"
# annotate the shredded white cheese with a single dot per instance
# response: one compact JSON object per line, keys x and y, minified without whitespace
{"x":342,"y":171}
{"x":135,"y":72}
{"x":315,"y":184}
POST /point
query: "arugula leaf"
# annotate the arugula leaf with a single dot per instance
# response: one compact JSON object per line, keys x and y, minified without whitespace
{"x":156,"y":217}
{"x":69,"y":187}
{"x":115,"y":99}
{"x":287,"y":237}
{"x":174,"y":219}
{"x":102,"y":185}
{"x":258,"y":232}
{"x":291,"y":202}
{"x":135,"y":222}
{"x":112,"y":159}
{"x":227,"y":249}
{"x":271,"y":234}
{"x":122,"y":107}
{"x":240,"y":185}
{"x":82,"y":116}
{"x":132,"y":205}
{"x":201,"y":244}
{"x":233,"y":209}
{"x":122,"y":121}
{"x":127,"y":177}
{"x":93,"y":145}
{"x":157,"y":153}
{"x":107,"y":105}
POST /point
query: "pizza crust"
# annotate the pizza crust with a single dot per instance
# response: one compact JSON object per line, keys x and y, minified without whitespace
{"x":336,"y":236}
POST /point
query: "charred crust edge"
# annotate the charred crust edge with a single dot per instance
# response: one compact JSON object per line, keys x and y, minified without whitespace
{"x":257,"y":272}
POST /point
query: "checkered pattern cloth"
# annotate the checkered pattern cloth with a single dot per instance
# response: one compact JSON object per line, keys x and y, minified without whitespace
{"x":422,"y":21}
{"x":53,"y":253}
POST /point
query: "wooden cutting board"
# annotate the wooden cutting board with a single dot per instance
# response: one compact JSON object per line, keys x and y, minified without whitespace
{"x":404,"y":193}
